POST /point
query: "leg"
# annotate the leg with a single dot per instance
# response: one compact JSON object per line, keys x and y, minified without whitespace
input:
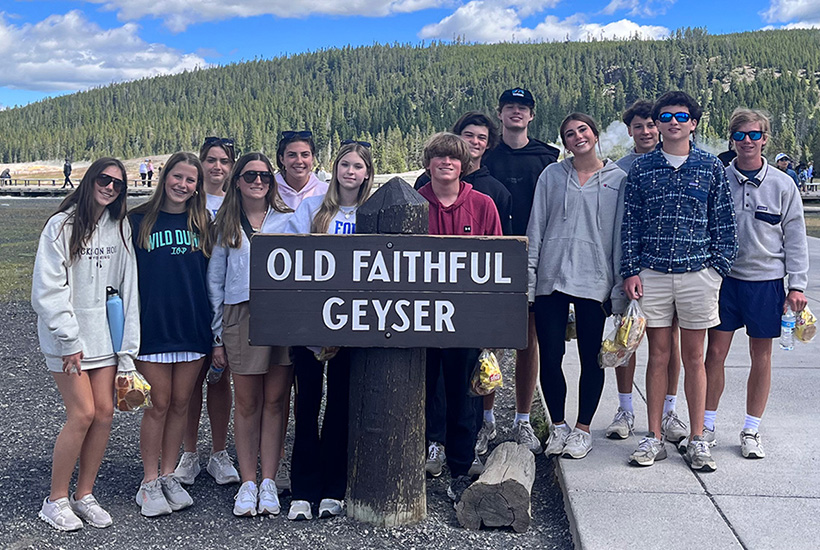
{"x":673,"y":367}
{"x":96,"y":439}
{"x":694,"y":376}
{"x":435,"y":411}
{"x":660,"y":343}
{"x":590,"y":319}
{"x":457,"y":367}
{"x":249,"y":393}
{"x":625,"y":376}
{"x":550,"y":314}
{"x":526,"y":370}
{"x":277,"y":383}
{"x":719,"y":343}
{"x":153,"y":419}
{"x":191,"y":433}
{"x":220,"y":403}
{"x":760,"y":376}
{"x":184,"y":377}
{"x":306,"y":471}
{"x":78,"y":398}
{"x":333,"y":446}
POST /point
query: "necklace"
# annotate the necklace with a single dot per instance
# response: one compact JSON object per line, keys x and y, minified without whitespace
{"x":348,"y":211}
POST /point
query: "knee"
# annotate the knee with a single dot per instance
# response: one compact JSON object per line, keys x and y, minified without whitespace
{"x":179,"y":406}
{"x":82,"y":417}
{"x":246,"y":406}
{"x":104,"y":413}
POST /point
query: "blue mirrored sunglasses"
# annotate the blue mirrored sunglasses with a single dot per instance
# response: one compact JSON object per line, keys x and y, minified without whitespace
{"x":754,"y":135}
{"x":680,"y":117}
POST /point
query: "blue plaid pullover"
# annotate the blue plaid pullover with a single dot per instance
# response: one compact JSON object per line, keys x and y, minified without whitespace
{"x":678,"y":220}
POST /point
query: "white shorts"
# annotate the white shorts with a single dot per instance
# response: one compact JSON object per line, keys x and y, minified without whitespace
{"x":693,"y":295}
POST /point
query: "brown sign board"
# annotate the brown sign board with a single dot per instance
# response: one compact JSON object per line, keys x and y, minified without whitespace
{"x":388,"y":291}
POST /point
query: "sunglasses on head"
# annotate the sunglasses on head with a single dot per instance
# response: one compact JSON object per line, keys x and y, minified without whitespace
{"x":251,"y":175}
{"x":290,"y":134}
{"x":680,"y":117}
{"x":104,"y":180}
{"x":213,"y":140}
{"x":754,"y":135}
{"x":362,"y":143}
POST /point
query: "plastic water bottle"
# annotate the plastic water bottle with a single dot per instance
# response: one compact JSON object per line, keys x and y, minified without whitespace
{"x":116,"y":317}
{"x":214,"y":374}
{"x":787,"y":329}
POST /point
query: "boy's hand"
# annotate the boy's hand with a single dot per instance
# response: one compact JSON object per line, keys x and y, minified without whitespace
{"x":796,"y":300}
{"x":633,"y":288}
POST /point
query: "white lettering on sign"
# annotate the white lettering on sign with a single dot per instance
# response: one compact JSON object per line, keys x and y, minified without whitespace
{"x":324,"y":265}
{"x":436,"y":267}
{"x":360,"y":314}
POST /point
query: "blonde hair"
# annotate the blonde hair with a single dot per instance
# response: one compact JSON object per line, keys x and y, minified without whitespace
{"x":742,"y":115}
{"x":330,"y":204}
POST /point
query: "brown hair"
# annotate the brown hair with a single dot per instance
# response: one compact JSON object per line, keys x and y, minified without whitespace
{"x":446,"y":144}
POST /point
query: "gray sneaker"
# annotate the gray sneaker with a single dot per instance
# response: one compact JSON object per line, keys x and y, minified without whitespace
{"x":435,"y":459}
{"x":557,"y":440}
{"x":282,"y":477}
{"x":649,"y":450}
{"x":476,"y":468}
{"x":90,"y":510}
{"x":330,"y":507}
{"x":151,"y":499}
{"x":709,"y":436}
{"x":188,"y":468}
{"x":221,"y":467}
{"x":578,"y":444}
{"x":673,"y":428}
{"x":750,"y":444}
{"x":59,"y":515}
{"x":525,"y":435}
{"x":622,"y":425}
{"x":177,"y":497}
{"x":486,"y":434}
{"x":698,"y":455}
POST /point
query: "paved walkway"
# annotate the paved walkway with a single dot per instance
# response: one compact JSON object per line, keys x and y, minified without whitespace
{"x":750,"y":504}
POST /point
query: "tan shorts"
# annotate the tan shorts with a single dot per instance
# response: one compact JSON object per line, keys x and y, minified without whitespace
{"x":693,"y":295}
{"x":244,"y":358}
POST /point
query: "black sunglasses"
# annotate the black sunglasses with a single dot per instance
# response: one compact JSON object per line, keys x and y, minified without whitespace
{"x":362,"y":143}
{"x":213,"y":140}
{"x":680,"y":117}
{"x":754,"y":135}
{"x":290,"y":134}
{"x":251,"y":175}
{"x":104,"y":180}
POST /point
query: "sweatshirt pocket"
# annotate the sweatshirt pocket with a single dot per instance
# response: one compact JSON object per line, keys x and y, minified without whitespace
{"x":772,"y":219}
{"x":95,"y":335}
{"x":570,"y":261}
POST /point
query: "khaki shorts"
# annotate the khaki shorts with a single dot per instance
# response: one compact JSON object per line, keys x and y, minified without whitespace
{"x":693,"y":295}
{"x":243,"y":358}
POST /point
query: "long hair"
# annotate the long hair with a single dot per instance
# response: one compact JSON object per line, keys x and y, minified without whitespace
{"x":330,"y":204}
{"x":228,"y":224}
{"x":82,"y":217}
{"x":586,"y":119}
{"x":198,"y":218}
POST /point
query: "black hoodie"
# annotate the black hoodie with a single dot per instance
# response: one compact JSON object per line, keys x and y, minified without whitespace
{"x":518,"y":171}
{"x":483,"y":182}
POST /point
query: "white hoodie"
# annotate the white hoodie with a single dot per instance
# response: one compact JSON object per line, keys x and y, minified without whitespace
{"x":69,"y":296}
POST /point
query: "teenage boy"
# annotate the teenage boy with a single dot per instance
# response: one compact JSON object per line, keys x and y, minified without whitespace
{"x":480,"y":134}
{"x":456,"y":209}
{"x":679,"y":241}
{"x":644,"y":133}
{"x":771,"y":234}
{"x":517,"y":162}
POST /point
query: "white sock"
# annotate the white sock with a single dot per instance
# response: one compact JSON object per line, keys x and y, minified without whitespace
{"x":625,"y":401}
{"x":521,"y":417}
{"x":709,"y":419}
{"x":489,"y":416}
{"x":752,"y":423}
{"x":669,"y":403}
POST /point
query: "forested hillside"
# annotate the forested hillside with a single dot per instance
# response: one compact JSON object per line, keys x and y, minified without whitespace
{"x":396,"y":96}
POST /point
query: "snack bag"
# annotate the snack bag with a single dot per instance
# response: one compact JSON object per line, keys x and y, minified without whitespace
{"x":486,"y":375}
{"x":572,"y":329}
{"x":806,"y":326}
{"x":624,"y":339}
{"x":133,"y":391}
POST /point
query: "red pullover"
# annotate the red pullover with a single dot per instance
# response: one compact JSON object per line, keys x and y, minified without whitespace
{"x":473,"y":213}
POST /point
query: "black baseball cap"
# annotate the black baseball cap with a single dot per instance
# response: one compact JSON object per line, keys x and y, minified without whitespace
{"x":517,"y":95}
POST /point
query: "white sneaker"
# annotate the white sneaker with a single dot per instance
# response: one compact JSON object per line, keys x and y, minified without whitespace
{"x":188,"y":468}
{"x":221,"y":467}
{"x":750,"y":444}
{"x":434,"y":463}
{"x":330,"y":507}
{"x":59,"y":515}
{"x":90,"y":510}
{"x":622,"y":425}
{"x":673,"y":428}
{"x":650,"y":450}
{"x":151,"y":499}
{"x":282,"y":477}
{"x":578,"y":444}
{"x":525,"y":435}
{"x":486,"y":434}
{"x":177,"y":497}
{"x":299,"y":510}
{"x":557,"y":440}
{"x":245,"y":504}
{"x":268,"y":498}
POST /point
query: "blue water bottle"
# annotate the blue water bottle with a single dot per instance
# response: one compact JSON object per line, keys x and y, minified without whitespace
{"x":116,"y":317}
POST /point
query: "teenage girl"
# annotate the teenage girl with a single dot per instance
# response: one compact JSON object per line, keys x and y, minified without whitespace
{"x":573,"y":232}
{"x":319,"y":472}
{"x":84,"y":248}
{"x":262,"y":375}
{"x":173,"y":242}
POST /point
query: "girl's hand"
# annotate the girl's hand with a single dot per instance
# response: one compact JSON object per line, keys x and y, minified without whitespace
{"x":218,"y":357}
{"x":71,"y":363}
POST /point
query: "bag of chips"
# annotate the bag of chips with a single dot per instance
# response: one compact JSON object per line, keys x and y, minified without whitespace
{"x":624,"y":339}
{"x":486,"y":375}
{"x":133,"y":391}
{"x":805,"y":328}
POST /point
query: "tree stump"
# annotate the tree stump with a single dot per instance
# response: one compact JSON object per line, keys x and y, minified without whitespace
{"x":502,"y":495}
{"x":385,"y":473}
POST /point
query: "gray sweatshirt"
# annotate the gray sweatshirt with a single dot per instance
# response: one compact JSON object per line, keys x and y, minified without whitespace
{"x":573,"y":231}
{"x":771,"y":231}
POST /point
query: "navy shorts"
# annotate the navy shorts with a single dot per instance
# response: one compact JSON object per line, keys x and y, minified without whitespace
{"x":757,"y":305}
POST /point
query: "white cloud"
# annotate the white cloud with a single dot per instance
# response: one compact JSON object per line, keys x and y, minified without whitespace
{"x":179,"y":14}
{"x":497,"y":21}
{"x":69,"y":52}
{"x":639,"y":8}
{"x":789,"y":10}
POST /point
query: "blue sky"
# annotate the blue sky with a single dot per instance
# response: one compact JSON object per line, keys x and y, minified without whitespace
{"x":54,"y":47}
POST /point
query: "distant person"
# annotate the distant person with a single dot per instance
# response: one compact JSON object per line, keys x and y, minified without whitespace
{"x":811,"y":172}
{"x":295,"y":156}
{"x":150,"y":169}
{"x":517,"y":162}
{"x":771,"y":234}
{"x":67,"y":174}
{"x":5,"y":175}
{"x":144,"y":171}
{"x":70,"y":277}
{"x":727,"y":155}
{"x":784,"y":164}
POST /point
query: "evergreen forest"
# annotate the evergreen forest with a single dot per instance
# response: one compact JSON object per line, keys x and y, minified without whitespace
{"x":395,"y":96}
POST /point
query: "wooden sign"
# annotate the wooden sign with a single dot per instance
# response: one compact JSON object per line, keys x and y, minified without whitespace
{"x":388,"y":291}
